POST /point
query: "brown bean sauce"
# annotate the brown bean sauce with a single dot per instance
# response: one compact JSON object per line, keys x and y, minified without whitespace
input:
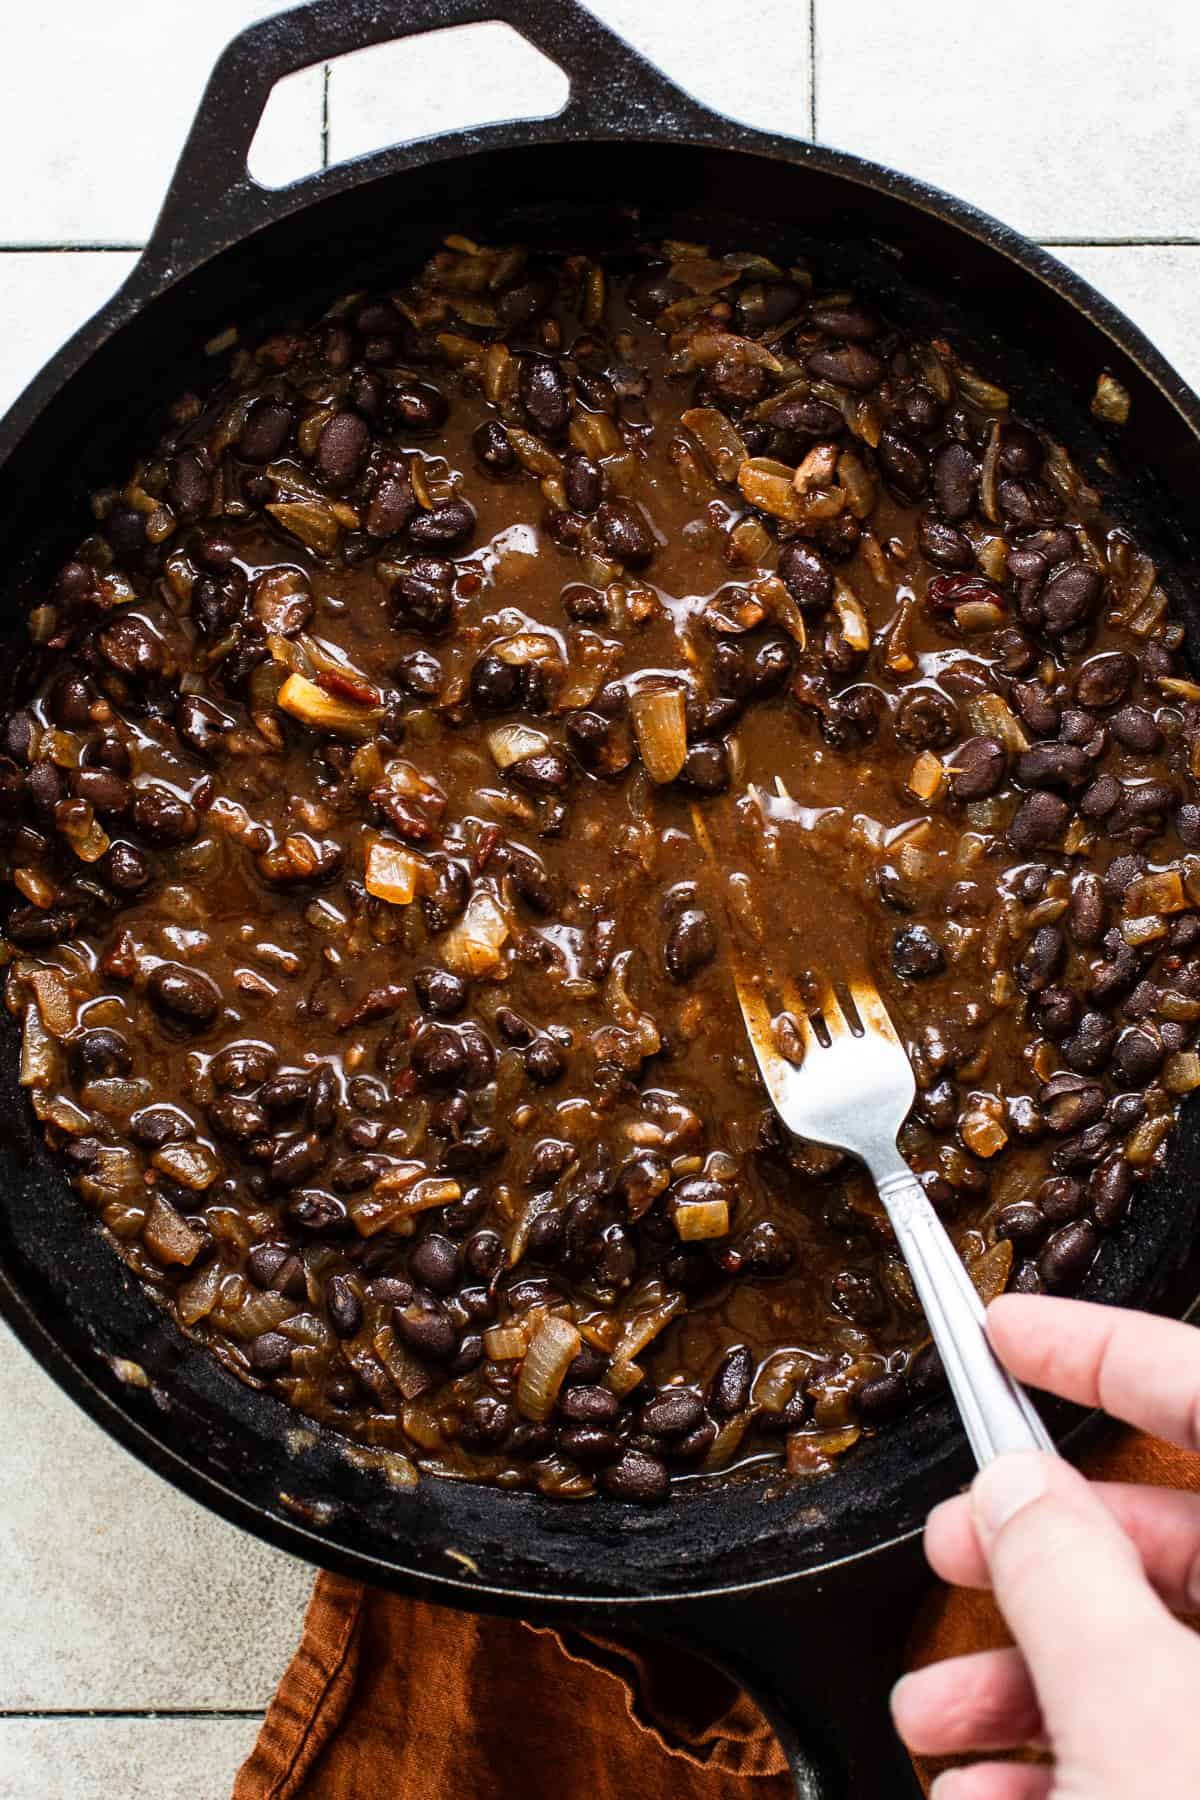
{"x":375,"y":982}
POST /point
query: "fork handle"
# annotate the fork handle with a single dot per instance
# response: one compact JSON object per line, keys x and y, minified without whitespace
{"x":997,"y":1413}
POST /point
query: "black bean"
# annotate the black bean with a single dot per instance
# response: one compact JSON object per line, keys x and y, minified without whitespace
{"x":544,"y":395}
{"x":846,"y":319}
{"x":491,"y":446}
{"x":706,"y":768}
{"x":1042,"y":959}
{"x":154,"y":1126}
{"x":186,"y":996}
{"x":123,"y":869}
{"x":544,"y":1061}
{"x":1068,"y":1255}
{"x":130,"y":646}
{"x":1037,"y":708}
{"x":1069,"y":597}
{"x":583,"y":481}
{"x":1053,"y":766}
{"x":1086,"y":915}
{"x":1022,"y":1224}
{"x":730,"y":1390}
{"x":418,"y":406}
{"x":636,"y":1477}
{"x":70,"y":701}
{"x":1110,"y":1189}
{"x":440,"y":992}
{"x":763,"y":1250}
{"x":1136,"y":728}
{"x":920,"y":410}
{"x":590,"y":1446}
{"x":447,"y":522}
{"x":99,"y":1052}
{"x":1089,"y":1047}
{"x":916,"y":953}
{"x":189,"y":485}
{"x":521,"y":304}
{"x":1040,"y":820}
{"x":853,"y":367}
{"x":954,"y":475}
{"x":806,"y":577}
{"x":943,"y":545}
{"x":671,"y":1412}
{"x":1138,"y":1056}
{"x":237,"y":1118}
{"x":295,"y":1159}
{"x":1099,"y":797}
{"x":547,"y":772}
{"x":496,"y":686}
{"x":342,"y":448}
{"x":266,"y":430}
{"x":393,"y":503}
{"x":807,"y":419}
{"x":858,"y":1295}
{"x":426,"y":1329}
{"x":434,"y":1263}
{"x":1106,"y":679}
{"x":241,"y":1066}
{"x":487,"y":1423}
{"x":978,"y":768}
{"x":1070,"y":1103}
{"x":163,"y":818}
{"x":692,"y":944}
{"x":926,"y":719}
{"x":345,"y":1307}
{"x":627,"y":535}
{"x":587,"y":1404}
{"x":881,"y":1398}
{"x":271,"y":1353}
{"x":106,"y":793}
{"x":902,"y":463}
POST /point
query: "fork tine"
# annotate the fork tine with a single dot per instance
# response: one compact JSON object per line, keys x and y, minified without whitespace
{"x":871,"y":1010}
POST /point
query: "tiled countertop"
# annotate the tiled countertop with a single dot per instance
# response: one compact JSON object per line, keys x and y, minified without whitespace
{"x":140,"y":1638}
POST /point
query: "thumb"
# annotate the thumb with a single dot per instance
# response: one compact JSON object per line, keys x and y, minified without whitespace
{"x":1070,"y":1584}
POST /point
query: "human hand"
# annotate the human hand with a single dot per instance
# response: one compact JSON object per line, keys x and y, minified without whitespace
{"x":1087,"y":1577}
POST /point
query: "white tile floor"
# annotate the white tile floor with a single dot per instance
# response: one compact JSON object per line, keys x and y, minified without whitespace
{"x":120,"y":1598}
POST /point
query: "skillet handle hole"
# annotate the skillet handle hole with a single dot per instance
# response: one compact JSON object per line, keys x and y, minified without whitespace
{"x":396,"y":93}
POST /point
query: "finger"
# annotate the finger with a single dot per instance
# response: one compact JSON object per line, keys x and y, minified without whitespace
{"x":1163,"y":1524}
{"x":994,"y":1781}
{"x":1138,"y":1368}
{"x":980,"y":1702}
{"x":1070,"y":1585}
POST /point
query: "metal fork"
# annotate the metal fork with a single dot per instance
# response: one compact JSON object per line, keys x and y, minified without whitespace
{"x":847,"y":1082}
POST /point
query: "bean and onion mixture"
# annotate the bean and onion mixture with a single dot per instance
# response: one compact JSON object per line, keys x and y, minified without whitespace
{"x":374,"y":978}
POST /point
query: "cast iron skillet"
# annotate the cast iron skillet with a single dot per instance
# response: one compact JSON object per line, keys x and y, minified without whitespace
{"x":804,"y":1591}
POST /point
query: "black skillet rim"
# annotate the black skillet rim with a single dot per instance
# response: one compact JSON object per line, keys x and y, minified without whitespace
{"x":102,"y":1404}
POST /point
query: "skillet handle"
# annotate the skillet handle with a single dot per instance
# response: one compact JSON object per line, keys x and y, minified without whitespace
{"x":820,"y":1656}
{"x":212,"y":198}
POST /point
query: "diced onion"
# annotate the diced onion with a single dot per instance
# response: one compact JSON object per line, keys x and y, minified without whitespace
{"x":702,"y":1219}
{"x":511,"y":744}
{"x":320,"y":711}
{"x":853,"y":620}
{"x":191,"y":1165}
{"x":992,"y":716}
{"x":1161,"y":891}
{"x":1181,"y":1072}
{"x":168,"y":1236}
{"x":504,"y":1343}
{"x":39,"y":1052}
{"x":768,"y":485}
{"x":553,"y":1348}
{"x":392,"y":873}
{"x":982,"y":1134}
{"x":660,"y":722}
{"x":925,"y":777}
{"x":474,"y":944}
{"x":53,"y":1000}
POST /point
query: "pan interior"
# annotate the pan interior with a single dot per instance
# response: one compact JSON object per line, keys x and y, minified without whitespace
{"x":61,"y":1285}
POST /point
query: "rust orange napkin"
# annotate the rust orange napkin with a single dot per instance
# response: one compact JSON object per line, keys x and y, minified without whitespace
{"x":388,"y":1697}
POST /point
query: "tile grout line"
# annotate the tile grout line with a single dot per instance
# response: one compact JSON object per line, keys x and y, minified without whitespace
{"x":19,"y":1714}
{"x":812,"y":70}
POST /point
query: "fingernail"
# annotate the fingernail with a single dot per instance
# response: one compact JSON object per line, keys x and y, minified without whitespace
{"x":1005,"y":1486}
{"x":896,"y":1690}
{"x":945,"y":1786}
